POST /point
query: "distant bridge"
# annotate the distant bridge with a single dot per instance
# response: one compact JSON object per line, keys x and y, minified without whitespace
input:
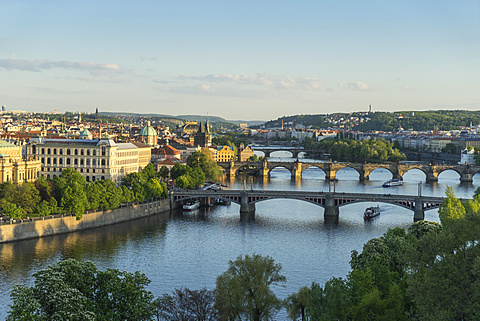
{"x":297,"y":167}
{"x":331,"y":202}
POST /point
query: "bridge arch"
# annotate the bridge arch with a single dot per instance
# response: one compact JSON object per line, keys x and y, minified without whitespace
{"x":314,"y":167}
{"x":378,"y":171}
{"x":410,"y":172}
{"x":344,"y":169}
{"x":445,"y":171}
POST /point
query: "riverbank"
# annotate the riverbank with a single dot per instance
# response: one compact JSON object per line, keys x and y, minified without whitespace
{"x":11,"y":231}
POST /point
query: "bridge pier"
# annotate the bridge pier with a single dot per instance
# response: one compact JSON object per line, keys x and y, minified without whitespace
{"x":466,"y":178}
{"x":247,"y":211}
{"x":331,"y":211}
{"x":418,"y":214}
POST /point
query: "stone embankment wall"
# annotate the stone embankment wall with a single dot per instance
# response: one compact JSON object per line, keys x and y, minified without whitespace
{"x":57,"y":224}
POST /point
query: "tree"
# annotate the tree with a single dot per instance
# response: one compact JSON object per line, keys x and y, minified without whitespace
{"x":72,"y":290}
{"x":149,"y":171}
{"x":186,"y":304}
{"x":445,"y":273}
{"x":296,"y":304}
{"x":164,"y":172}
{"x":245,"y":288}
{"x":450,"y":148}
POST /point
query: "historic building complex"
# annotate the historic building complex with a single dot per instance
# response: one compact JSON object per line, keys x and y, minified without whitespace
{"x":14,"y":167}
{"x":95,"y":159}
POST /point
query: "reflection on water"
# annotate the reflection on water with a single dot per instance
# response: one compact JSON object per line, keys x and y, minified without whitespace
{"x":191,"y":249}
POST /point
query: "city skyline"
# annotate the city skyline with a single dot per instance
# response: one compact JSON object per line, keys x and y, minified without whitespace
{"x":247,"y":61}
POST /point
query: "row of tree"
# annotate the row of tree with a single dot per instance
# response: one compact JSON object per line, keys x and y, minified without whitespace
{"x":430,"y":272}
{"x":351,"y":150}
{"x":70,"y":193}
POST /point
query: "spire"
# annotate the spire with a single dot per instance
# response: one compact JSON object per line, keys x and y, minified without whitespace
{"x":207,"y":126}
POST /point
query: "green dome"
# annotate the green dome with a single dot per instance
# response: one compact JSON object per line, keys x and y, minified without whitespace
{"x":148,"y":130}
{"x":85,"y":132}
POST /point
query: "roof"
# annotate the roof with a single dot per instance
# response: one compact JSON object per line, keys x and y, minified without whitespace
{"x":229,"y":147}
{"x":148,"y":130}
{"x":5,"y":144}
{"x":170,"y":161}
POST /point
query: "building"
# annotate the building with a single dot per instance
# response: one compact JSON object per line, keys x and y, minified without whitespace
{"x":202,"y":138}
{"x":14,"y":167}
{"x":148,"y":135}
{"x":162,"y":153}
{"x":225,"y":153}
{"x":95,"y":159}
{"x":245,"y":153}
{"x":467,"y":157}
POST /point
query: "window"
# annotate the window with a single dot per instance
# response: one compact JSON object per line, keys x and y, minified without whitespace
{"x":103,"y":162}
{"x":54,"y":161}
{"x":34,"y":149}
{"x":68,"y":151}
{"x":43,"y":150}
{"x":54,"y":151}
{"x":81,"y":152}
{"x":68,"y":161}
{"x":88,"y":152}
{"x":43,"y":160}
{"x":75,"y":161}
{"x":81,"y":162}
{"x":88,"y":161}
{"x":104,"y":151}
{"x":60,"y":161}
{"x":48,"y":161}
{"x":94,"y":152}
{"x":76,"y":151}
{"x":60,"y":151}
{"x":48,"y":151}
{"x":94,"y":162}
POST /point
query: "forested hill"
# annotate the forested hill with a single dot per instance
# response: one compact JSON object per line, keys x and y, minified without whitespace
{"x":384,"y":121}
{"x":420,"y":120}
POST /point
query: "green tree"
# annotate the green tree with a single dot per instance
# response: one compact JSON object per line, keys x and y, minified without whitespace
{"x":296,"y":304}
{"x":450,"y":148}
{"x":164,"y":172}
{"x":186,"y":304}
{"x":445,"y":273}
{"x":72,"y":290}
{"x":245,"y":288}
{"x":149,"y":171}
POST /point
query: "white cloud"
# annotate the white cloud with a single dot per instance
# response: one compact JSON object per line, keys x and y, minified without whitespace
{"x":356,"y":85}
{"x":37,"y":65}
{"x":262,"y":80}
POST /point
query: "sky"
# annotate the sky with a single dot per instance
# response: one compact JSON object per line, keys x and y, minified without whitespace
{"x":240,"y":60}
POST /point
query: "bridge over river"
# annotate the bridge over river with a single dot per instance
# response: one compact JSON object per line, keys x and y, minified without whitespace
{"x":331,"y":202}
{"x":296,"y":167}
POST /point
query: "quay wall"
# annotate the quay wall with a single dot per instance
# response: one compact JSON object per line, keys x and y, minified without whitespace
{"x":64,"y":223}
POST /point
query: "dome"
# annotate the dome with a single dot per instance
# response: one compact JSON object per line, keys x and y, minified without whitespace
{"x":148,"y":130}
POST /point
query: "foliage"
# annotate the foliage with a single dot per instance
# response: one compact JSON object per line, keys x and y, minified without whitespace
{"x":245,"y":288}
{"x":373,"y":150}
{"x":203,"y":159}
{"x":230,"y":139}
{"x":449,"y":148}
{"x":164,"y":172}
{"x":186,"y":304}
{"x":296,"y":304}
{"x":72,"y":290}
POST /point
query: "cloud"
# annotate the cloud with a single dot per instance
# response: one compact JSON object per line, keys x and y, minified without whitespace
{"x":260,"y":80}
{"x":356,"y":85}
{"x":145,"y":58}
{"x":38,"y":65}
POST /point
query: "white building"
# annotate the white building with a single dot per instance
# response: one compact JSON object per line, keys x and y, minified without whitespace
{"x":95,"y":159}
{"x":467,"y":157}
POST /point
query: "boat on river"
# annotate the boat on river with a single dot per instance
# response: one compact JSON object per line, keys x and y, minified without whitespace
{"x":371,"y":212}
{"x":392,"y":182}
{"x":191,"y":206}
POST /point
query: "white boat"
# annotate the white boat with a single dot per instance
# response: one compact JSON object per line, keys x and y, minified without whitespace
{"x":371,"y":212}
{"x":392,"y":182}
{"x":191,"y":206}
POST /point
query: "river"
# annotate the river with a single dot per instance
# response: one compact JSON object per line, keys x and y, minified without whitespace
{"x":191,"y":250}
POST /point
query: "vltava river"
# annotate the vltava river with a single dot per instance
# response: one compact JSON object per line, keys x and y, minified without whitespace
{"x":191,"y":250}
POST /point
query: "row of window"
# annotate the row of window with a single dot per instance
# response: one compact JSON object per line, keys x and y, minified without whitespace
{"x":87,"y":170}
{"x":76,"y":161}
{"x":68,"y":151}
{"x":86,"y":177}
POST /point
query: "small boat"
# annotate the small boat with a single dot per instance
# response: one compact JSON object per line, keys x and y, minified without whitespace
{"x":191,"y":206}
{"x":221,"y":201}
{"x":371,"y":212}
{"x":392,"y":182}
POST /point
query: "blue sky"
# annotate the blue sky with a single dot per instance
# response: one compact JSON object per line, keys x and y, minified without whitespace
{"x":239,"y":59}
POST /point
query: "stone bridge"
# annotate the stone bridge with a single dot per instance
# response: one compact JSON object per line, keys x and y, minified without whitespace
{"x":297,"y":167}
{"x":331,"y":202}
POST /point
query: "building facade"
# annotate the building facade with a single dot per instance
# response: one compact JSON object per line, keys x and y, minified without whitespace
{"x":225,"y":153}
{"x":16,"y":168}
{"x":94,"y":159}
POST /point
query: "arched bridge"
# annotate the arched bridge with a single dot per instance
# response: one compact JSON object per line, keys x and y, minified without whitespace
{"x":364,"y":170}
{"x":331,"y":202}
